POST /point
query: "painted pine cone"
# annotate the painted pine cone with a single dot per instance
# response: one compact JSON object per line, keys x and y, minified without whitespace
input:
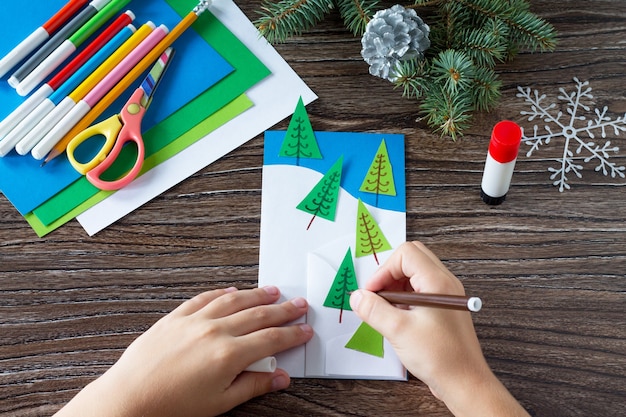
{"x":393,"y":35}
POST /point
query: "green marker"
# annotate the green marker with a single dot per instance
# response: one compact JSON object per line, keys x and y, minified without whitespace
{"x":104,"y":10}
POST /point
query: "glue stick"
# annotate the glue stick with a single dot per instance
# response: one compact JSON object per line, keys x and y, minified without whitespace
{"x":503,"y":147}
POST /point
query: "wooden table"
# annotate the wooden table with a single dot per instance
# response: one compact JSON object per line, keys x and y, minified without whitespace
{"x":549,"y":266}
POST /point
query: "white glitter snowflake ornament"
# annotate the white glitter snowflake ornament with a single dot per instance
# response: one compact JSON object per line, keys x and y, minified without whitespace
{"x":579,"y":132}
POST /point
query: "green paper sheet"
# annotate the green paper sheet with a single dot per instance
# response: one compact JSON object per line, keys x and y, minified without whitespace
{"x":248,"y":71}
{"x":217,"y":119}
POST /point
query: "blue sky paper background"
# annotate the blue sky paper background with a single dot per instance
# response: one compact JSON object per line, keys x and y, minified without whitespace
{"x":22,"y":180}
{"x":358,"y":150}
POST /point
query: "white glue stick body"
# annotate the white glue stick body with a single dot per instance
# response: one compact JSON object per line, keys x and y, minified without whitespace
{"x":506,"y":138}
{"x":267,"y":364}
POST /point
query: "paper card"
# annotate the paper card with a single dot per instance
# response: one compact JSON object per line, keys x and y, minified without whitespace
{"x":305,"y":262}
{"x":274,"y":99}
{"x":27,"y":185}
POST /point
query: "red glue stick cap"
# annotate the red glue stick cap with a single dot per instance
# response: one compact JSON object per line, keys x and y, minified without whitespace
{"x":505,"y":141}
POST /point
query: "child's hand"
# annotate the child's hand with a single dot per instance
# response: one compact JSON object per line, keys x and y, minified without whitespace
{"x":436,"y":345}
{"x":191,"y":362}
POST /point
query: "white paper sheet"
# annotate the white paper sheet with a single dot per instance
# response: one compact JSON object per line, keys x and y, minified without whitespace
{"x":274,"y":99}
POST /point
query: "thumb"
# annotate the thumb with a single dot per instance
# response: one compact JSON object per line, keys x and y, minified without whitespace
{"x":377,"y":312}
{"x":248,"y":385}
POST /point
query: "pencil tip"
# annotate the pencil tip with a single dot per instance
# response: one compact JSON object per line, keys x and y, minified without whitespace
{"x":51,"y":155}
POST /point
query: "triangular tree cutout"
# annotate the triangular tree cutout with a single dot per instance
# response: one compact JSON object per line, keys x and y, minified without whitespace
{"x":370,"y":239}
{"x":343,"y":284}
{"x":322,"y":199}
{"x":300,"y":139}
{"x":379,"y":178}
{"x":367,"y":340}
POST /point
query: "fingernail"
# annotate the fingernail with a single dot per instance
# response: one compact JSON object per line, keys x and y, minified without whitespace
{"x":299,"y":302}
{"x":306,"y":328}
{"x":271,"y":290}
{"x":355,"y":299}
{"x":230,"y":289}
{"x":280,"y":382}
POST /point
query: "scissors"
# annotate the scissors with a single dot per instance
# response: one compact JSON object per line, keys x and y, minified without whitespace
{"x":118,"y":130}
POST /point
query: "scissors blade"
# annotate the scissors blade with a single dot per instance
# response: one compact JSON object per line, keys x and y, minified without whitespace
{"x":152,"y":80}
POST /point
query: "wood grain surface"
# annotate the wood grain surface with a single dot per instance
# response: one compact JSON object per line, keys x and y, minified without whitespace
{"x":550,"y":266}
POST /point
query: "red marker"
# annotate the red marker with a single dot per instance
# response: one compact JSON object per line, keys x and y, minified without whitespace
{"x":66,"y":72}
{"x":118,"y":24}
{"x":506,"y":138}
{"x":40,"y":35}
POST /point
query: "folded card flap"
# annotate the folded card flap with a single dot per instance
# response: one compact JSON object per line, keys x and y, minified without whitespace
{"x":326,"y":354}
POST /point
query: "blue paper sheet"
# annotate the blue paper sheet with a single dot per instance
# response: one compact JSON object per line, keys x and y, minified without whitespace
{"x":195,"y":68}
{"x":358,"y":150}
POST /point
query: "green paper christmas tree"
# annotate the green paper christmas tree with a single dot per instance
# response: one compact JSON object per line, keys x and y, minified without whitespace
{"x":343,"y":284}
{"x":367,"y":340}
{"x":322,"y":199}
{"x":300,"y":139}
{"x":379,"y":178}
{"x":370,"y":239}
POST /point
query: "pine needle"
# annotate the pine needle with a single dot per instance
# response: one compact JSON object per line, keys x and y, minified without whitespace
{"x":412,"y":77}
{"x":356,"y":14}
{"x":288,"y":18}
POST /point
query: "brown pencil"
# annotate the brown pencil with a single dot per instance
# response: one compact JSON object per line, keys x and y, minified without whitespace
{"x":454,"y":302}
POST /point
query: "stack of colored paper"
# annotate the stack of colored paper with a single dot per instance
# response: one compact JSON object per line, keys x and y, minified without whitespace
{"x":225,"y":85}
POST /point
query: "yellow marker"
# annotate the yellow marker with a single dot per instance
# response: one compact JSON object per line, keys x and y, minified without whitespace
{"x":49,"y":117}
{"x":129,"y":78}
{"x":111,"y":62}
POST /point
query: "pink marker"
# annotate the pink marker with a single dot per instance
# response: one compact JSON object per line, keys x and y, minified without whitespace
{"x":506,"y":138}
{"x":95,"y":94}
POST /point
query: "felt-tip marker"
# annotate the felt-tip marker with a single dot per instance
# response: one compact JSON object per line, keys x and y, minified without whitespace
{"x":101,"y":42}
{"x":129,"y":78}
{"x":506,"y":138}
{"x":51,"y":44}
{"x":81,"y":107}
{"x":39,"y":35}
{"x":48,"y":96}
{"x":68,"y":47}
{"x":451,"y":302}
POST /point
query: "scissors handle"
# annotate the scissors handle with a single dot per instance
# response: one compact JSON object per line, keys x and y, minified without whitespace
{"x":109,"y":128}
{"x":131,"y":116}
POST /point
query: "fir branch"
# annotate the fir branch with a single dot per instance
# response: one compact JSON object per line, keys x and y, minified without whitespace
{"x":454,"y":69}
{"x":486,"y":89}
{"x":357,"y":13}
{"x":531,"y":31}
{"x":426,"y":3}
{"x":412,"y":76}
{"x":527,"y":29}
{"x":447,"y":113}
{"x":483,"y":47}
{"x":287,"y":18}
{"x":467,"y":39}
